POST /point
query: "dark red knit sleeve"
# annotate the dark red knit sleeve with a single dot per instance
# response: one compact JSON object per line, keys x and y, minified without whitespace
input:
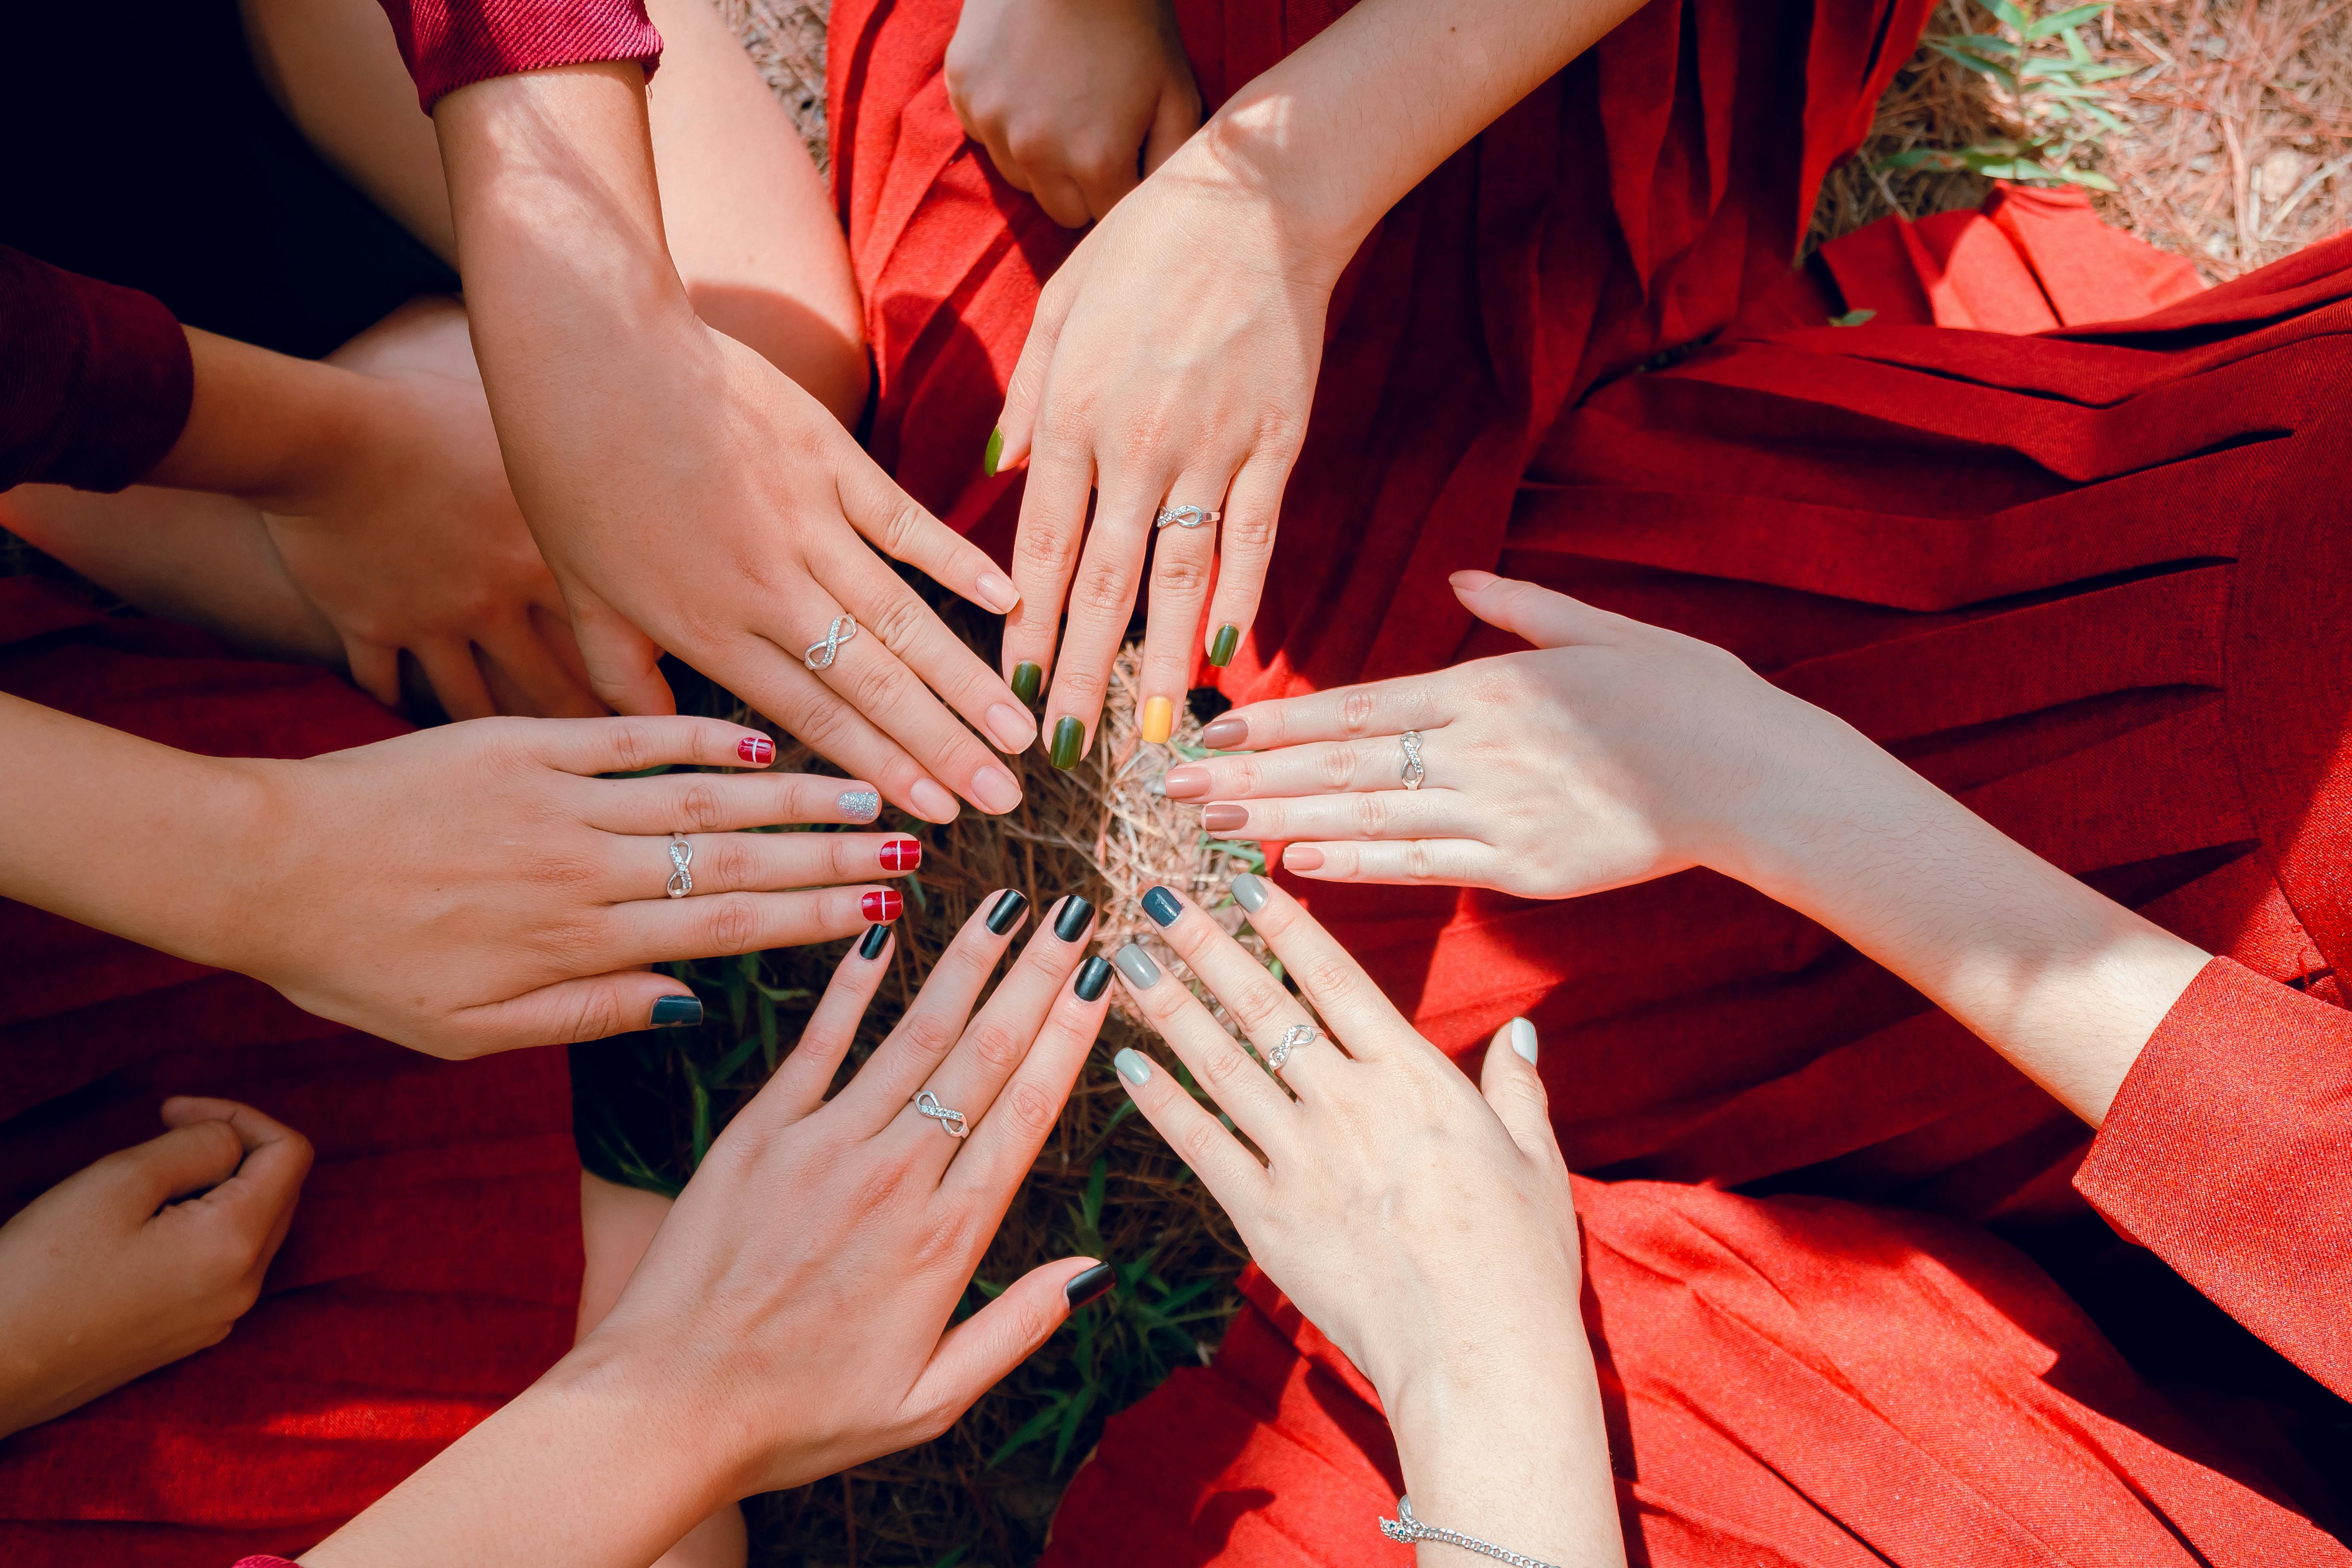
{"x":2229,"y":1153}
{"x":451,"y":43}
{"x":94,"y":380}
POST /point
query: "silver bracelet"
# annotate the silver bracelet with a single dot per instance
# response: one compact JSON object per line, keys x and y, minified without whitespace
{"x":1407,"y":1528}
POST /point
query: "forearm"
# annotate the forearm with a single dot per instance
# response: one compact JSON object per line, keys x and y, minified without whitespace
{"x":267,"y":427}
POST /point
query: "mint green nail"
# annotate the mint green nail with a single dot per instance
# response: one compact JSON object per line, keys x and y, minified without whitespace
{"x":1132,"y":1068}
{"x":1523,"y":1038}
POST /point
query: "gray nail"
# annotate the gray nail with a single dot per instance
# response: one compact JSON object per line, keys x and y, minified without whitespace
{"x":1136,"y":965}
{"x":1523,"y":1038}
{"x":861,"y":805}
{"x":1249,"y":892}
{"x":1132,"y":1067}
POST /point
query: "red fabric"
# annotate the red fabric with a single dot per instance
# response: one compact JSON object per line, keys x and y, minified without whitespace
{"x":449,"y":44}
{"x":94,"y":380}
{"x":433,"y":1267}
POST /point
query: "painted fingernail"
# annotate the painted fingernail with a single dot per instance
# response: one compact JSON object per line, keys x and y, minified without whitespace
{"x":1136,"y":965}
{"x":1009,"y":727}
{"x":988,"y":460}
{"x":1249,"y":892}
{"x":676,"y":1012}
{"x":997,"y":592}
{"x":1006,"y":909}
{"x":1093,"y":976}
{"x":902,"y":854}
{"x":1221,"y":652}
{"x":1523,"y":1038}
{"x":756,"y":749}
{"x":1161,"y":906}
{"x":1072,"y":922}
{"x":1302,"y":858}
{"x":995,"y":791}
{"x":1069,"y":735}
{"x":1224,"y":816}
{"x":1159,"y":718}
{"x":1190,"y":781}
{"x":876,"y":938}
{"x":881,"y":907}
{"x":1092,"y":1284}
{"x":1133,"y":1066}
{"x":1225,"y":734}
{"x":932,"y":802}
{"x":1027,"y":678}
{"x":860,"y":804}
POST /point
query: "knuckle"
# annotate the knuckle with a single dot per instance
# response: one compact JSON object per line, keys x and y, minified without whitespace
{"x":900,"y":622}
{"x":1104,"y":589}
{"x":633,"y":746}
{"x":879,"y":685}
{"x":730,"y":925}
{"x":729,"y":862}
{"x":1257,"y":1003}
{"x":1357,"y":711}
{"x":822,"y":724}
{"x":1030,"y":1110}
{"x":1045,"y":551}
{"x":900,"y":526}
{"x":1327,"y":977}
{"x":1197,"y":1141}
{"x":1339,"y":767}
{"x":997,"y":1048}
{"x":1373,"y":813}
{"x":926,"y":1033}
{"x":1176,"y":572}
{"x":1420,"y":860}
{"x":698,"y":806}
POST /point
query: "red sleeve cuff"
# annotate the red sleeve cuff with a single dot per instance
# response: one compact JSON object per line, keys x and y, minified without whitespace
{"x":2228,"y":1152}
{"x":262,"y":1563}
{"x":450,"y":43}
{"x":95,"y":380}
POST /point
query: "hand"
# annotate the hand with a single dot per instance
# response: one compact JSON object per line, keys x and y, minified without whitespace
{"x":150,"y":1254}
{"x":1065,"y":94}
{"x":1424,"y":1223}
{"x":1613,"y":753}
{"x":1172,"y":363}
{"x":408,"y":538}
{"x":791,"y":1317}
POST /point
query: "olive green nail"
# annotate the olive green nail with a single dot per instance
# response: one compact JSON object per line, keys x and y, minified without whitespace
{"x":1221,"y":652}
{"x":1069,"y":735}
{"x":995,"y":450}
{"x":1027,"y":678}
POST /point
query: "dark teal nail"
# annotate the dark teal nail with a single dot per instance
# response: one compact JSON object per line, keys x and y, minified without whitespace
{"x":1009,"y":905}
{"x":995,"y":450}
{"x":1071,"y":923}
{"x":1027,"y":678}
{"x":1069,"y":735}
{"x":1221,"y":651}
{"x":676,"y":1012}
{"x":1161,"y":906}
{"x":876,"y":939}
{"x":1093,"y":976}
{"x":1084,"y":1288}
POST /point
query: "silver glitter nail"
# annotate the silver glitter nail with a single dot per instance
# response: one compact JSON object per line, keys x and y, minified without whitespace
{"x":861,"y":805}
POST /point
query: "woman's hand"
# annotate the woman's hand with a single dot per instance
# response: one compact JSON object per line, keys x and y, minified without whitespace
{"x":1070,"y":96}
{"x":791,"y":1318}
{"x":1424,"y":1223}
{"x":150,"y":1254}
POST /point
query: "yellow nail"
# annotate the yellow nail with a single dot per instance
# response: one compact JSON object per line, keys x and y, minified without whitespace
{"x":1158,"y":714}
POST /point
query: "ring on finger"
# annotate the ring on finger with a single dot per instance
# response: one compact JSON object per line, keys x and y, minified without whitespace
{"x":681,"y":857}
{"x":951,"y":1121}
{"x":1186,"y":517}
{"x":820,"y":654}
{"x":1292,"y":1038}
{"x":1412,"y":772}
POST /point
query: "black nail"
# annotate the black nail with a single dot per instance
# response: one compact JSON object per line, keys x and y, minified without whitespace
{"x":1094,"y":1283}
{"x":676,"y":1012}
{"x":1093,"y":976}
{"x":1071,"y":923}
{"x":1161,"y":906}
{"x":1009,"y":905}
{"x":876,"y":938}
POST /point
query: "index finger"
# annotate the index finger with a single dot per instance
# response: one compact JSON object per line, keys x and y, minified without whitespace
{"x":1342,"y":993}
{"x":1344,"y":713}
{"x":630,"y":745}
{"x":260,"y":1193}
{"x":893,"y":521}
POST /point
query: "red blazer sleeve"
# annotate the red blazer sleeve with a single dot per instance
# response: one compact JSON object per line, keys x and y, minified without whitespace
{"x":451,"y":43}
{"x":94,"y":380}
{"x":2228,"y":1152}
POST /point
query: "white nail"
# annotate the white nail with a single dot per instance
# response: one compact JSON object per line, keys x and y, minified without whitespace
{"x":1522,"y":1036}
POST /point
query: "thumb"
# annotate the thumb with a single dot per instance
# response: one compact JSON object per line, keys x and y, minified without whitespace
{"x":1541,"y":616}
{"x":188,"y":1159}
{"x":1026,"y":391}
{"x":623,"y":664}
{"x":1516,"y":1091}
{"x":976,"y":1353}
{"x":258,"y":1197}
{"x":375,"y":668}
{"x":569,"y":1010}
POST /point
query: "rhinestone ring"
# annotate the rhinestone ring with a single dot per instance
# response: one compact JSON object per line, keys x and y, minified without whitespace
{"x":1413,"y":772}
{"x":681,"y":855}
{"x":821,"y":655}
{"x":951,"y":1122}
{"x":1186,"y":517}
{"x":1292,"y":1038}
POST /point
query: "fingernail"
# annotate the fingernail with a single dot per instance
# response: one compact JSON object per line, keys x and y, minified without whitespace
{"x":756,"y":749}
{"x":1221,"y":652}
{"x":997,"y":592}
{"x":932,"y":802}
{"x":902,"y":855}
{"x":876,"y":938}
{"x":1302,"y":858}
{"x":860,"y":804}
{"x":1225,"y":734}
{"x":1027,"y":678}
{"x":1136,"y":965}
{"x":1133,"y":1066}
{"x":1523,"y":1039}
{"x":995,"y":791}
{"x":1249,"y":892}
{"x":1069,"y":736}
{"x":676,"y":1012}
{"x":1093,"y":976}
{"x":882,"y":908}
{"x":1190,"y":781}
{"x":1159,"y":718}
{"x":995,"y":450}
{"x":1072,"y":922}
{"x":1224,"y":816}
{"x":1093,"y":1284}
{"x":1009,"y":727}
{"x":1161,"y":906}
{"x":1007,"y":908}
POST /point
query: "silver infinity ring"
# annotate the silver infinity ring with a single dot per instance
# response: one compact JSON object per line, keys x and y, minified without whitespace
{"x":821,"y":655}
{"x":681,"y":855}
{"x":1413,"y":772}
{"x":1292,"y":1038}
{"x":951,"y":1122}
{"x":1186,"y":517}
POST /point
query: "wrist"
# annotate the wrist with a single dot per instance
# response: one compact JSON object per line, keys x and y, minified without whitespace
{"x":266,"y":427}
{"x":1314,"y":216}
